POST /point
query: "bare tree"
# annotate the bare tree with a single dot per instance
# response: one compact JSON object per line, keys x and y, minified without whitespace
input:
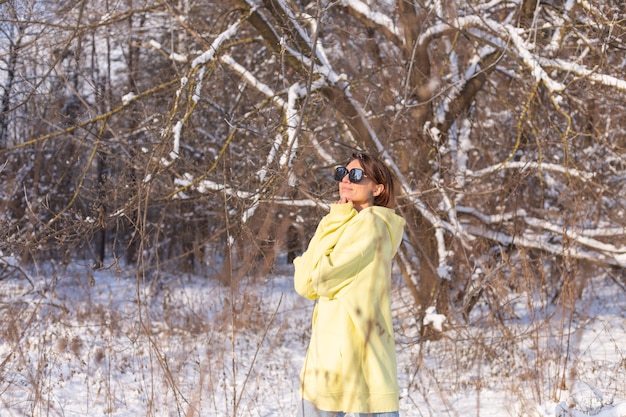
{"x":482,"y":112}
{"x":183,"y":134}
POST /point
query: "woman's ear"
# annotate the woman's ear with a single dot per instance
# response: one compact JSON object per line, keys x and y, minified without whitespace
{"x":378,"y":190}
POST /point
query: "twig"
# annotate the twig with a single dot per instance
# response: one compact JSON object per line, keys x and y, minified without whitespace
{"x":258,"y":348}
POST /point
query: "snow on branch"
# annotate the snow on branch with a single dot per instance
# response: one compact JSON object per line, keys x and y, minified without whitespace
{"x":176,"y":57}
{"x":582,"y":237}
{"x":197,"y":68}
{"x":286,"y":49}
{"x":542,"y":242}
{"x":294,"y":93}
{"x":381,"y":20}
{"x":596,"y":251}
{"x":292,"y":18}
{"x":510,"y":34}
{"x":215,"y":45}
{"x":292,"y":119}
{"x":584,"y":72}
{"x":252,"y":81}
{"x":460,"y":83}
{"x":207,"y":186}
{"x":330,"y":75}
{"x":531,"y":60}
{"x":525,"y":165}
{"x":575,"y":236}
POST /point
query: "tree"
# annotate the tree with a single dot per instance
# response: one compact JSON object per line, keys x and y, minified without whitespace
{"x":495,"y":119}
{"x":483,"y":112}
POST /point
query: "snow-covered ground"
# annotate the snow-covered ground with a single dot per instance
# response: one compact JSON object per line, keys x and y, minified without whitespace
{"x":74,"y":342}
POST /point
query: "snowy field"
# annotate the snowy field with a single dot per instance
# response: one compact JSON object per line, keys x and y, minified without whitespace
{"x":75,"y":342}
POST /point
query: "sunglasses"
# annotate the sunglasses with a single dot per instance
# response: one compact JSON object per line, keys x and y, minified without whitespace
{"x":355,"y":175}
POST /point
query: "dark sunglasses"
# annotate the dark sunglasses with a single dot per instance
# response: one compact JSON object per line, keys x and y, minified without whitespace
{"x":355,"y":175}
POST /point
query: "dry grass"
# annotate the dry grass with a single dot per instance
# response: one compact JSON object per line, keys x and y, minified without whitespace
{"x":82,"y":343}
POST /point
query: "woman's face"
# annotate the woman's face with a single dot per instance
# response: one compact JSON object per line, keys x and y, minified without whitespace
{"x":361,"y":194}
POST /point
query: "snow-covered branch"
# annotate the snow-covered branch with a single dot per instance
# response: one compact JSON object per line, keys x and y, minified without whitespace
{"x":506,"y":35}
{"x":502,"y":35}
{"x":199,"y":71}
{"x":583,"y":72}
{"x":252,"y":81}
{"x":545,"y":235}
{"x":210,"y":187}
{"x":527,"y":165}
{"x":379,"y":20}
{"x":209,"y":54}
{"x":207,"y":186}
{"x":543,"y":242}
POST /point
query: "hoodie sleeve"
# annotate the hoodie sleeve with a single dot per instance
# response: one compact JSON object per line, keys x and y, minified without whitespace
{"x":328,"y":232}
{"x":334,"y":259}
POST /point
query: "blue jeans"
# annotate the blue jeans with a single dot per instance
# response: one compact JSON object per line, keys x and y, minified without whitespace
{"x":308,"y":409}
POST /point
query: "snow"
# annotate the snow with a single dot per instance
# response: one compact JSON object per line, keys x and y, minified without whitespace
{"x":127,"y":98}
{"x":380,"y":19}
{"x":586,"y":247}
{"x":434,"y":319}
{"x":583,"y":72}
{"x":178,"y":128}
{"x":118,"y":342}
{"x":215,"y":45}
{"x":532,"y":165}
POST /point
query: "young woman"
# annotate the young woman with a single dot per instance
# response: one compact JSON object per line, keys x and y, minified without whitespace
{"x":350,"y":364}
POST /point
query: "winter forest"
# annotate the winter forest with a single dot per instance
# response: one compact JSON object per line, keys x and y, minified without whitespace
{"x":163,"y":162}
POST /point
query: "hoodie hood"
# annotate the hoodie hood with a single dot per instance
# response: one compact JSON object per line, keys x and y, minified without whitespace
{"x":395,"y":224}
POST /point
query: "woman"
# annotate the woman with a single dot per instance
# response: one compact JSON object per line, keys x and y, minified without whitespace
{"x":350,"y":365}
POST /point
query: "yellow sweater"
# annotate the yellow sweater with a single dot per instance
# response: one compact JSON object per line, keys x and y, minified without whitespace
{"x":350,"y":364}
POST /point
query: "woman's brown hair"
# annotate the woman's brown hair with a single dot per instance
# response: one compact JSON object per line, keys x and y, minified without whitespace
{"x":378,"y":171}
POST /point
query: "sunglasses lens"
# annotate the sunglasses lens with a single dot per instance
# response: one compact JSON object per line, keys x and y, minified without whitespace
{"x":356,"y":175}
{"x":340,"y":172}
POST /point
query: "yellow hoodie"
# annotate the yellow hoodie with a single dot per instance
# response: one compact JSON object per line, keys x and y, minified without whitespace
{"x":350,"y":364}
